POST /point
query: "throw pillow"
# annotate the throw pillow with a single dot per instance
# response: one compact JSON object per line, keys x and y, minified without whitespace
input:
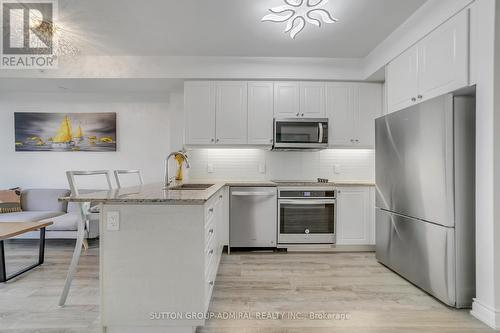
{"x":10,"y":200}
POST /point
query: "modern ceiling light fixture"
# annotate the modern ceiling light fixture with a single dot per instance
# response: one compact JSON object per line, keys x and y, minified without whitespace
{"x":297,"y":12}
{"x":64,"y":39}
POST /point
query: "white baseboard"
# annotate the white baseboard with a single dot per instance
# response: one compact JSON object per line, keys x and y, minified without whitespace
{"x":326,"y":248}
{"x":486,"y":314}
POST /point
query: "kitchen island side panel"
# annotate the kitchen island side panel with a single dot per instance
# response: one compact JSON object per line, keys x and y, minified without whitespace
{"x":154,"y":263}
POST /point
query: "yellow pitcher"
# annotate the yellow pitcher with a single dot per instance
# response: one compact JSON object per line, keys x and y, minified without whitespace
{"x":180,"y":159}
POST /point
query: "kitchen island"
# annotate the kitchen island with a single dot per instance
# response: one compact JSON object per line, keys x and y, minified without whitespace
{"x":159,"y":254}
{"x":160,"y":249}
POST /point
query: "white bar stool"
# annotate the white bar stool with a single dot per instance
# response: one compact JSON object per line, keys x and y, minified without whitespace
{"x":127,"y":172}
{"x":83,"y":216}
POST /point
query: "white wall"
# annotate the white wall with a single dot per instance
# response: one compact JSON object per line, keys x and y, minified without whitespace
{"x":496,"y":151}
{"x":148,"y":128}
{"x":191,"y":67}
{"x":486,"y":305}
{"x":248,"y":164}
{"x":142,"y":134}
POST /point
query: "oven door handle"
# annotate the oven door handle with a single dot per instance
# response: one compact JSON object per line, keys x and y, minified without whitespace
{"x":307,"y":201}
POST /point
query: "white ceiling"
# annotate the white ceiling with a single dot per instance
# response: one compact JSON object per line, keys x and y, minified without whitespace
{"x":225,"y":28}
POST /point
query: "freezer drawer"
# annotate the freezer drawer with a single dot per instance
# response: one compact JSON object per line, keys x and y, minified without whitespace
{"x":421,"y":252}
{"x":253,"y":217}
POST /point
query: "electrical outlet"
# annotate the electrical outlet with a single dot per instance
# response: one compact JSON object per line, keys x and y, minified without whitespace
{"x":336,"y":169}
{"x":113,"y":221}
{"x":210,"y":167}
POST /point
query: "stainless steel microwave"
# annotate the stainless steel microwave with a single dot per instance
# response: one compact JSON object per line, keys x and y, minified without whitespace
{"x":300,"y":134}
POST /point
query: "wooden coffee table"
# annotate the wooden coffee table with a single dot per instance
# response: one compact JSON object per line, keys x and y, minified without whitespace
{"x":11,"y":229}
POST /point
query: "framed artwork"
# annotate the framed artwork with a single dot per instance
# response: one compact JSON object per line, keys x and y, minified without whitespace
{"x":36,"y":131}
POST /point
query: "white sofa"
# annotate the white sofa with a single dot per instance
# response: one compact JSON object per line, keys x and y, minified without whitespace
{"x":44,"y":204}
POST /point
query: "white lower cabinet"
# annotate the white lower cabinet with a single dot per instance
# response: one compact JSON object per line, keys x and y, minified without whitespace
{"x":163,"y":258}
{"x":214,"y":240}
{"x":355,"y":215}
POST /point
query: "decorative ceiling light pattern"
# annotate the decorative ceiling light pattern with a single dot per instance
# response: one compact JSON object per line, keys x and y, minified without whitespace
{"x":298,"y":12}
{"x":64,"y":38}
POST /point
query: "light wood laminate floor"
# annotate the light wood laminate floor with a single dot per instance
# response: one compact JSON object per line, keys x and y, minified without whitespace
{"x":373,"y":298}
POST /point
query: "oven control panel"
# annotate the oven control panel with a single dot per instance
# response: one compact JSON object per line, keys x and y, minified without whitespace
{"x":307,"y":193}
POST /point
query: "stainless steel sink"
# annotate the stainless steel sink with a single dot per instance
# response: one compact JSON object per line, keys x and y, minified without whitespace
{"x":192,"y":187}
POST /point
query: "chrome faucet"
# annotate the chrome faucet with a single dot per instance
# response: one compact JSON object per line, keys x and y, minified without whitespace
{"x":167,"y":179}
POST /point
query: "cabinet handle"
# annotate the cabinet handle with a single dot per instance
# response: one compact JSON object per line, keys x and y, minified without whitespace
{"x":216,"y":140}
{"x":413,"y":99}
{"x":211,"y":210}
{"x":211,"y":231}
{"x":298,"y":114}
{"x":220,"y":196}
{"x":357,"y":141}
{"x":211,"y":283}
{"x":212,"y":140}
{"x":419,"y":96}
{"x":302,"y":115}
{"x":352,"y":140}
{"x":211,"y":251}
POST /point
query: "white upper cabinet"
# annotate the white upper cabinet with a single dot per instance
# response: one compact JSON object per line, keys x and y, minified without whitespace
{"x":351,"y":109}
{"x":231,"y":112}
{"x":340,"y":113}
{"x":286,"y":100}
{"x":355,"y":216}
{"x":370,"y":107}
{"x":402,"y":80}
{"x":199,"y":106}
{"x":312,"y":99}
{"x":443,"y":58}
{"x":436,"y":65}
{"x":235,"y":113}
{"x":260,"y":113}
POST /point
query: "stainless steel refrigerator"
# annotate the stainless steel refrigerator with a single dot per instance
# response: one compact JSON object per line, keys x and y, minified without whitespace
{"x":425,"y":196}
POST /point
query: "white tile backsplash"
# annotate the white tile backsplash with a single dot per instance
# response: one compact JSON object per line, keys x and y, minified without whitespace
{"x":256,"y":164}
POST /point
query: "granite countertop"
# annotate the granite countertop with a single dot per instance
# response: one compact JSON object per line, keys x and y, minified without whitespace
{"x":149,"y":193}
{"x":155,"y":193}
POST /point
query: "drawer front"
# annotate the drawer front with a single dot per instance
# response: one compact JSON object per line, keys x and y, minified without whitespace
{"x":209,"y":215}
{"x":208,"y":294}
{"x":209,"y":230}
{"x":210,"y":206}
{"x":213,"y":212}
{"x":210,"y":279}
{"x":210,"y":254}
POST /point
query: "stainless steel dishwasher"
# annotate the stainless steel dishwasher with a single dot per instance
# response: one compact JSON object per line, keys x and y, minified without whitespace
{"x":253,"y":217}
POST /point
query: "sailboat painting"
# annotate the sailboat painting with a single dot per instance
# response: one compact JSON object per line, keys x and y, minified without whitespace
{"x":37,"y":131}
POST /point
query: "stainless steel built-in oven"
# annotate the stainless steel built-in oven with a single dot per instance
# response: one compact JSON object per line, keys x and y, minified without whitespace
{"x":306,"y":216}
{"x":300,"y":134}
